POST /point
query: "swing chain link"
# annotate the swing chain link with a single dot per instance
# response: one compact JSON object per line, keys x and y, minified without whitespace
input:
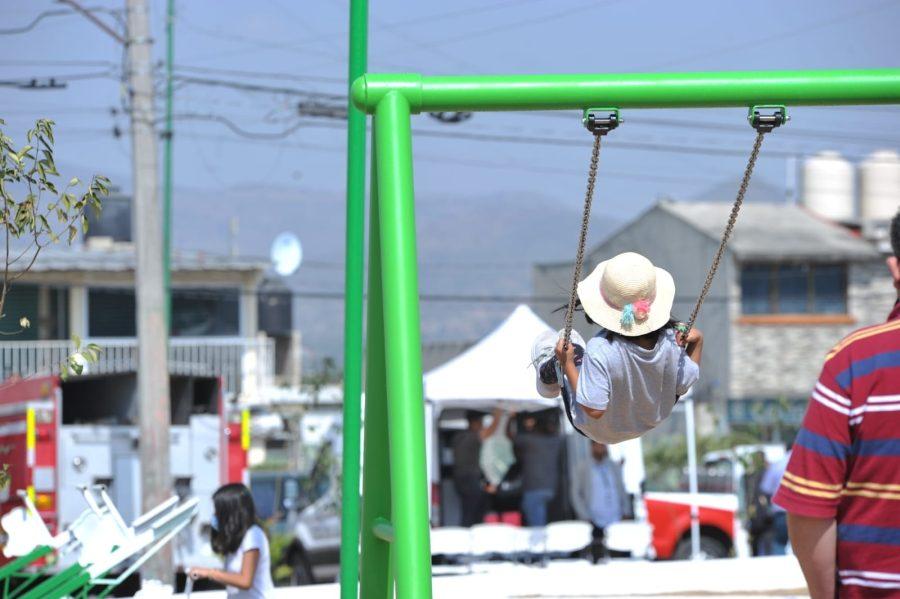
{"x":585,"y":223}
{"x":729,"y":227}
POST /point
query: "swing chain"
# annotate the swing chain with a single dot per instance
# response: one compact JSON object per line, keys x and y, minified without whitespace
{"x":598,"y":133}
{"x":763,"y":123}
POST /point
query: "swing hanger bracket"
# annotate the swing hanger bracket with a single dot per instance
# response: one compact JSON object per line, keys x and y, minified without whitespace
{"x":764,"y":123}
{"x":601,"y":121}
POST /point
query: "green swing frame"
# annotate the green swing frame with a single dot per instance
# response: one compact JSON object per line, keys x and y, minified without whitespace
{"x":385,"y":537}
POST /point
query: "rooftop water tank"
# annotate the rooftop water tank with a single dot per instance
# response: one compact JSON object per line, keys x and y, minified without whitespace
{"x":828,"y":186}
{"x":879,"y":181}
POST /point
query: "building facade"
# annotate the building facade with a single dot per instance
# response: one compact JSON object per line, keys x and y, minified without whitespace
{"x":226,"y":320}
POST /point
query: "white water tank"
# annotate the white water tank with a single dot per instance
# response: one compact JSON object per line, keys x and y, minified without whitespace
{"x":879,"y":186}
{"x":828,"y":186}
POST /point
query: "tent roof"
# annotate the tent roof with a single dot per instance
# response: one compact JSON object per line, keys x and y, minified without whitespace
{"x":494,"y":371}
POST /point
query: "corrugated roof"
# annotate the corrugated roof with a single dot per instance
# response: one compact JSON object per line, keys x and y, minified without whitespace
{"x":120,"y":259}
{"x":767,"y":231}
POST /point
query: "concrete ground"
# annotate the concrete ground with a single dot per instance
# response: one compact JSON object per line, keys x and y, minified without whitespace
{"x":743,"y":577}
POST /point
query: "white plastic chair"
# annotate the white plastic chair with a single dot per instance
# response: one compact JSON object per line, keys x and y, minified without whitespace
{"x":451,"y":541}
{"x":569,"y":536}
{"x":532,"y":540}
{"x":490,"y":540}
{"x":632,"y":537}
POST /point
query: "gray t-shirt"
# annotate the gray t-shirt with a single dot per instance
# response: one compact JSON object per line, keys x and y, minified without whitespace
{"x":538,"y":455}
{"x":637,"y":387}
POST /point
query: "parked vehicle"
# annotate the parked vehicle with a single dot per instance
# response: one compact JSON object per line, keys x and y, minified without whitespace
{"x":670,"y":516}
{"x":305,"y":505}
{"x":58,"y":435}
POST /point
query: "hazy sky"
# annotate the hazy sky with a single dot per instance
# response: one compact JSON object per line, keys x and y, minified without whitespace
{"x":302,"y":46}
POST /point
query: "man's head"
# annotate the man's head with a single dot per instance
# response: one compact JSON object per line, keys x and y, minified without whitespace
{"x":599,"y":451}
{"x":475,"y":420}
{"x":893,"y":262}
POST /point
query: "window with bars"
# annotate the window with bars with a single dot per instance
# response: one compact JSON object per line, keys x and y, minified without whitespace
{"x":794,"y":288}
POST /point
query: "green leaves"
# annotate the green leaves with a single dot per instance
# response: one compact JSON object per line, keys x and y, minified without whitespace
{"x":43,"y":215}
{"x":81,"y":357}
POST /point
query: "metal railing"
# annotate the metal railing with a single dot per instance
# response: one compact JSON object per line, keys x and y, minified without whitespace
{"x":244,"y":364}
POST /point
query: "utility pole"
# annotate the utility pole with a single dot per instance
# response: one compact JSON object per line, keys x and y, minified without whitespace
{"x":153,"y":367}
{"x":167,"y":164}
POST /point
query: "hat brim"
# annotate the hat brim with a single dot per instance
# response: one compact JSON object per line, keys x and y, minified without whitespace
{"x":610,"y":318}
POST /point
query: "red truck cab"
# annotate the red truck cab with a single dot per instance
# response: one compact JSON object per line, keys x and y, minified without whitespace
{"x":670,"y":516}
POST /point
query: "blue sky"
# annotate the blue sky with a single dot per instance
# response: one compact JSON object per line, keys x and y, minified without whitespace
{"x":304,"y":46}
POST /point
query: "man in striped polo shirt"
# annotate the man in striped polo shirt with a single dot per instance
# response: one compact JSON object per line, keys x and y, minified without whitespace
{"x":841,"y":488}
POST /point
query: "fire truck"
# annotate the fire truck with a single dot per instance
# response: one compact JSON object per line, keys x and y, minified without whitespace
{"x":58,"y":435}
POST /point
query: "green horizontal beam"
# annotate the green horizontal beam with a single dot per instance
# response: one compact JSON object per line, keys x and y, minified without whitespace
{"x":383,"y":529}
{"x":633,"y":90}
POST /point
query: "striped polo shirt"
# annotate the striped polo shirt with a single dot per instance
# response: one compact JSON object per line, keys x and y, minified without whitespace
{"x":846,"y":459}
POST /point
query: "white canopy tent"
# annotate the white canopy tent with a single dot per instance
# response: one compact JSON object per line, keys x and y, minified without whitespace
{"x":495,"y":372}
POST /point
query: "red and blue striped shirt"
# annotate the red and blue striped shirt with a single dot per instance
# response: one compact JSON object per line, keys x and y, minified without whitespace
{"x":845,"y":462}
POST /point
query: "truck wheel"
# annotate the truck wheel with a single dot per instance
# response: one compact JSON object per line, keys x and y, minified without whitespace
{"x":301,"y":572}
{"x":710,"y":548}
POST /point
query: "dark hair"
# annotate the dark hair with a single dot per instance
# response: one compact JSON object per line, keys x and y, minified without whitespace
{"x":235,"y":514}
{"x":652,"y":335}
{"x":895,"y":235}
{"x":474,"y":416}
{"x":578,"y":307}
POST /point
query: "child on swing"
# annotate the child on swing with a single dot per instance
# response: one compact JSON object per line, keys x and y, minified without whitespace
{"x":628,"y":377}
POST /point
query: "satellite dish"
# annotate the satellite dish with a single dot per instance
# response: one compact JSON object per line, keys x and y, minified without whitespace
{"x":286,"y":254}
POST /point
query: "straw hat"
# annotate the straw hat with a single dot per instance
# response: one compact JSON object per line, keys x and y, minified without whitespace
{"x":628,"y":295}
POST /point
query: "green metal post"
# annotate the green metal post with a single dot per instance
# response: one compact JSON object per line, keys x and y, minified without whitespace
{"x":376,"y":580}
{"x":632,"y":90}
{"x":167,"y":165}
{"x":353,"y":307}
{"x":402,"y":347}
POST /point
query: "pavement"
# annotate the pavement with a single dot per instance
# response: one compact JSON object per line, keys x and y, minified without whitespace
{"x":732,"y":578}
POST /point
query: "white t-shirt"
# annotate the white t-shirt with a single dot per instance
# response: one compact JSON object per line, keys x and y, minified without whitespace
{"x":262,"y":587}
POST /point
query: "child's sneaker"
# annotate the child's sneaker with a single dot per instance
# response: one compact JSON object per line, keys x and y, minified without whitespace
{"x":543,"y":358}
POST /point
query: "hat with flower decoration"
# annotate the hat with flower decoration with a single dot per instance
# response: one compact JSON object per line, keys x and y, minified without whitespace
{"x":628,"y":295}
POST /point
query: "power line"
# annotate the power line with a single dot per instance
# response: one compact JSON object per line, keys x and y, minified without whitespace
{"x":256,"y":87}
{"x":841,"y":18}
{"x":54,"y":81}
{"x":217,"y":118}
{"x":442,"y":159}
{"x":45,"y":15}
{"x":261,"y":74}
{"x":58,"y":63}
{"x":462,"y":12}
{"x":504,"y":27}
{"x":89,"y":15}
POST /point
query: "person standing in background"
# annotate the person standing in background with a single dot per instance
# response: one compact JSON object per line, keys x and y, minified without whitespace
{"x":467,"y":476}
{"x":598,"y":496}
{"x":759,"y":506}
{"x":241,"y":542}
{"x":539,"y":454}
{"x":768,"y":486}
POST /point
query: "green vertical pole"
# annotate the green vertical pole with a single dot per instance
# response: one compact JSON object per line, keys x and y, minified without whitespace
{"x":353,"y":306}
{"x":167,"y":166}
{"x":376,"y":579}
{"x":403,"y":350}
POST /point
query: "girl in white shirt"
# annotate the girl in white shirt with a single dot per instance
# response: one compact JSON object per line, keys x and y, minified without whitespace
{"x":238,"y":538}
